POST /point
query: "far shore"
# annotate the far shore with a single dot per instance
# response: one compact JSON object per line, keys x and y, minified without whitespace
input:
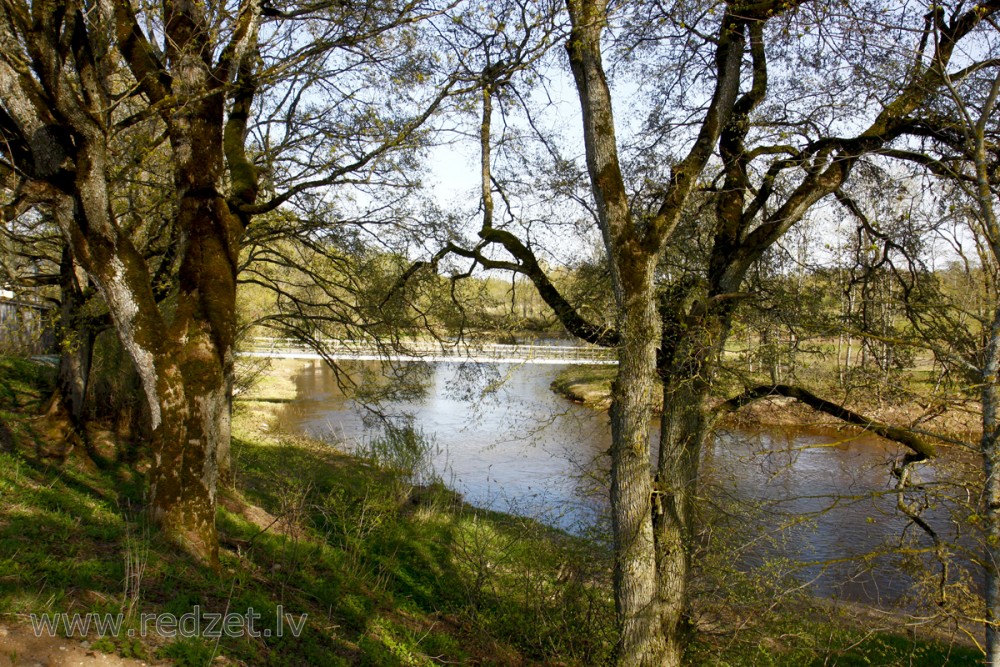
{"x":591,"y":387}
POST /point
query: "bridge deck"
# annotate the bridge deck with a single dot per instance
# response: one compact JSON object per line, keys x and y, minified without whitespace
{"x":430,"y":351}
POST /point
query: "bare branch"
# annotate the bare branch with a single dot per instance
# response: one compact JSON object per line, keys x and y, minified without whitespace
{"x":903,"y":436}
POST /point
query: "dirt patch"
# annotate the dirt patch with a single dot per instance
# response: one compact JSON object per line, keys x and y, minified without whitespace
{"x":21,"y":648}
{"x":257,"y":516}
{"x":959,"y":422}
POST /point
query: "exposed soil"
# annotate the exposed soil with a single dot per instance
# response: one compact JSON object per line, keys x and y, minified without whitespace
{"x":958,"y":421}
{"x":21,"y":648}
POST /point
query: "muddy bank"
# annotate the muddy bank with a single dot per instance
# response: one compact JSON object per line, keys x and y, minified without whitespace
{"x":957,"y":420}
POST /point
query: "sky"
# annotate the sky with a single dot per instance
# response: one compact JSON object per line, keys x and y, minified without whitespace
{"x":453,"y":178}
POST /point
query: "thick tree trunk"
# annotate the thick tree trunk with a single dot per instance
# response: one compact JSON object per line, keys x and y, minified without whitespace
{"x":186,"y":369}
{"x":633,"y":262}
{"x":641,"y":639}
{"x":185,"y":468}
{"x":64,"y":117}
{"x":195,"y":380}
{"x":647,"y":632}
{"x":194,"y":383}
{"x":185,"y":362}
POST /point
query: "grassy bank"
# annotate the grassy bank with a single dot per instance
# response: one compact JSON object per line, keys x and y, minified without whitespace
{"x":388,"y":573}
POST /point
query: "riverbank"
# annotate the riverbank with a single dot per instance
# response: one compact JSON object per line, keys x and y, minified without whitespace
{"x":387,"y":573}
{"x":591,"y":386}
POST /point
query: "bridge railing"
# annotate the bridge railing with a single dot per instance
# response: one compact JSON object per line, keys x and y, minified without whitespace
{"x":347,"y":349}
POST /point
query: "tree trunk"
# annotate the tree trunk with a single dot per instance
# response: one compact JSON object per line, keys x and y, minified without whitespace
{"x":185,"y":469}
{"x":690,"y":344}
{"x":682,"y":430}
{"x":195,"y":380}
{"x":647,"y":633}
{"x":640,"y":633}
{"x":63,"y":113}
{"x":76,"y":341}
{"x":185,"y":362}
{"x":990,"y":448}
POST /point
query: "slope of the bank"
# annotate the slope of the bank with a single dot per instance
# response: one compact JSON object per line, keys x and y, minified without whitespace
{"x":328,"y":559}
{"x":383,"y":572}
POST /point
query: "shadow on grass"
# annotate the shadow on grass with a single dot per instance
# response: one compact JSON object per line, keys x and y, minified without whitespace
{"x":412,"y":569}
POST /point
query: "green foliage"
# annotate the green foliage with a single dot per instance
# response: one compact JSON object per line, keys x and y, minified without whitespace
{"x":404,"y":449}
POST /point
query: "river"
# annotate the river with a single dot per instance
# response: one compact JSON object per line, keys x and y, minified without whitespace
{"x":497,"y":434}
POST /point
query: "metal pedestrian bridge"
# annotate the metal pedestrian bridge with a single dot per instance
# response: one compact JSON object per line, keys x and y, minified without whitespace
{"x":424,"y":350}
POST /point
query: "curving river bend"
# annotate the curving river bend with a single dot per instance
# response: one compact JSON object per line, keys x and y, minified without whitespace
{"x":499,"y":436}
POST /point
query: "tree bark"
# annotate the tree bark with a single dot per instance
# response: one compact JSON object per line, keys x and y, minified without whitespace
{"x":691,"y":338}
{"x":641,"y":637}
{"x":197,"y":365}
{"x":641,"y":642}
{"x":990,"y":448}
{"x":682,"y":434}
{"x":184,"y":364}
{"x":185,"y":469}
{"x":76,"y":341}
{"x":183,"y":355}
{"x":648,"y":619}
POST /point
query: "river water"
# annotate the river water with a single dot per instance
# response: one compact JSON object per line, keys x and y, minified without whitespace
{"x":818,"y":499}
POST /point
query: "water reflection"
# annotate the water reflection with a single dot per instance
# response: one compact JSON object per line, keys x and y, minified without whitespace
{"x":505,"y":441}
{"x":499,"y":435}
{"x":831,"y":493}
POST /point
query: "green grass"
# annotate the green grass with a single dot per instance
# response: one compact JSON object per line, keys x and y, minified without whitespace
{"x":23,"y":382}
{"x":388,"y":573}
{"x":394,"y":565}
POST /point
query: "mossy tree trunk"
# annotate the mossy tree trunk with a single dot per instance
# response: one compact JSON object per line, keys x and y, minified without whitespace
{"x":990,"y":450}
{"x":63,"y":131}
{"x":86,"y":88}
{"x":197,"y":360}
